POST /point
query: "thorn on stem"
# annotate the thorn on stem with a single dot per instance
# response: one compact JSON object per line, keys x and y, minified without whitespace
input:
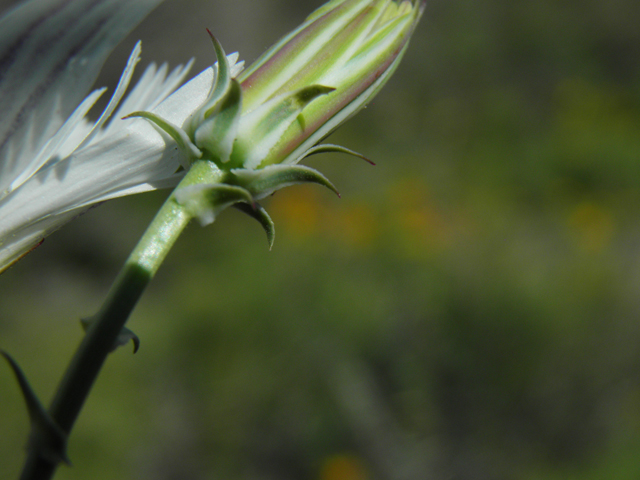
{"x":47,"y":438}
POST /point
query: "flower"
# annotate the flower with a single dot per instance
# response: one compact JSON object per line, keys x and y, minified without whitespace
{"x":251,"y":132}
{"x":54,"y":164}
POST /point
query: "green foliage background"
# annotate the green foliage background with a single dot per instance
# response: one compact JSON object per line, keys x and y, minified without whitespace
{"x":468,"y":310}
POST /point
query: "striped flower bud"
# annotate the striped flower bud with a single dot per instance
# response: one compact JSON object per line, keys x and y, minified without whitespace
{"x":257,"y":127}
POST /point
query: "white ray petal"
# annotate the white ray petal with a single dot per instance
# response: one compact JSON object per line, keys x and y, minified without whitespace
{"x":125,"y":78}
{"x":57,"y":140}
{"x":51,"y":52}
{"x":134,"y":158}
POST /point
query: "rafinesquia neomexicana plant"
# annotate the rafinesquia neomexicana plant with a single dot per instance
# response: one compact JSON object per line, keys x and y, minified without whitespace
{"x":227,"y":138}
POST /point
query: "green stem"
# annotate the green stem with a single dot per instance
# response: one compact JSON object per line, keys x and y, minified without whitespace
{"x":99,"y":340}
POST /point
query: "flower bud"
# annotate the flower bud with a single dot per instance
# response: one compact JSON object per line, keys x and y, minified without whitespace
{"x":352,"y":46}
{"x":256,"y":128}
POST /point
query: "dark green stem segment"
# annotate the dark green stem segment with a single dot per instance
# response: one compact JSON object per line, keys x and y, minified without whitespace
{"x":101,"y":336}
{"x":85,"y":366}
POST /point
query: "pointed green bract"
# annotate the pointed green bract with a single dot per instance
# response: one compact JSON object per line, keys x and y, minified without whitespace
{"x":219,"y":88}
{"x":216,"y":134}
{"x":179,"y":136}
{"x":329,"y":148}
{"x":260,"y":214}
{"x":223,"y":77}
{"x":265,"y":181}
{"x":206,"y":201}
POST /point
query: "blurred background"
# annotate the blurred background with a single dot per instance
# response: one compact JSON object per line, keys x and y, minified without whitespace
{"x":470,"y":308}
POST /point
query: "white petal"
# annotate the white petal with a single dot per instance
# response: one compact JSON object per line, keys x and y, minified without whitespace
{"x":125,"y":157}
{"x":123,"y":83}
{"x":131,"y":159}
{"x":51,"y":53}
{"x":168,"y":182}
{"x":152,"y":88}
{"x":57,"y":140}
{"x":22,"y":242}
